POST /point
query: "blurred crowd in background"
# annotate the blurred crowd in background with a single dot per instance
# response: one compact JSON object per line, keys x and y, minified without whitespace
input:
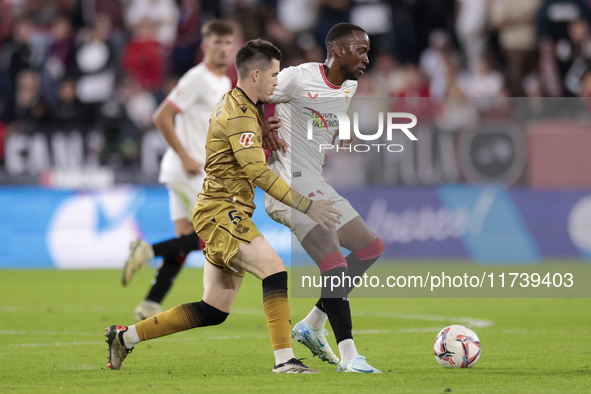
{"x":105,"y":65}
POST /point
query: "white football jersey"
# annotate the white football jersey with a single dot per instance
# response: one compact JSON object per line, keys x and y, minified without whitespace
{"x":194,"y":97}
{"x":304,"y":93}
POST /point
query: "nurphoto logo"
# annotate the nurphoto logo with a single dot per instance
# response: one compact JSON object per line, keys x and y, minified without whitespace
{"x":344,"y":124}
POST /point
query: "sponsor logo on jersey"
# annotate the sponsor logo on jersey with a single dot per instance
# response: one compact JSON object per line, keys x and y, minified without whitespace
{"x":243,"y":108}
{"x":246,"y":139}
{"x":179,"y":93}
{"x":317,"y":116}
{"x":314,"y":97}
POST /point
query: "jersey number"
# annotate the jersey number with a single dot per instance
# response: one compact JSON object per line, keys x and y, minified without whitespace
{"x":234,"y":218}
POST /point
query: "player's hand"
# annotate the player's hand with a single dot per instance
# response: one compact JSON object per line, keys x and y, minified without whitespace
{"x":271,"y":140}
{"x":323,"y":213}
{"x":343,"y":144}
{"x":192,"y":167}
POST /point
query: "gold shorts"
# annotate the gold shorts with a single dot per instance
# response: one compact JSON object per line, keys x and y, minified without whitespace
{"x":223,"y":226}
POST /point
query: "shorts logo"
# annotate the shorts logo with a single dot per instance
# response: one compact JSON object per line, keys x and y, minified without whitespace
{"x":240,"y":229}
{"x":246,"y":139}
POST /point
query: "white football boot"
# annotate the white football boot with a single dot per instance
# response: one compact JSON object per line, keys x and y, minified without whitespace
{"x":358,"y":365}
{"x":140,"y":255}
{"x":146,"y":309}
{"x":314,"y":340}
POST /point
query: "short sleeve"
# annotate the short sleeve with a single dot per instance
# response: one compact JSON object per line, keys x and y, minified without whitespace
{"x":187,"y":92}
{"x":288,"y":81}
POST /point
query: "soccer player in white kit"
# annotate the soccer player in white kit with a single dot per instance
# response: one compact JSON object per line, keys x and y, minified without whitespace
{"x":183,"y":120}
{"x":314,"y":90}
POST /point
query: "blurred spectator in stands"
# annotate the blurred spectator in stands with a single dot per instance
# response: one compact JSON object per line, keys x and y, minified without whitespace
{"x":436,"y":60}
{"x":471,"y":30}
{"x":298,"y":16}
{"x":375,"y":17}
{"x":45,"y":12}
{"x":330,"y":13}
{"x":554,"y":40}
{"x":515,"y":22}
{"x":86,"y":13}
{"x":534,"y":106}
{"x":28,"y":105}
{"x":387,"y":75}
{"x":6,"y":19}
{"x":414,"y":96}
{"x":139,"y":105}
{"x":579,"y":58}
{"x":184,"y":54}
{"x":19,"y":53}
{"x":250,"y":14}
{"x":143,"y":58}
{"x":60,"y":58}
{"x":67,"y":111}
{"x":485,"y":81}
{"x":430,"y":15}
{"x":404,"y":32}
{"x":164,"y":13}
{"x":94,"y":64}
{"x":586,"y":83}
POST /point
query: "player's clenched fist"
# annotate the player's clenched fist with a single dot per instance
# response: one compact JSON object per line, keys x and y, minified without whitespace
{"x":323,"y":213}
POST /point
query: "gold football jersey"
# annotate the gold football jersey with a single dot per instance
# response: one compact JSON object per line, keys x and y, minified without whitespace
{"x":235,"y":160}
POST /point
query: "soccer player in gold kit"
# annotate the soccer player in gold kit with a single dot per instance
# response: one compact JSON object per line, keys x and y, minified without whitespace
{"x":235,"y":164}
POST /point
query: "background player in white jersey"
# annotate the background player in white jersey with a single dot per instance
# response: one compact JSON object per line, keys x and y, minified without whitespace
{"x":183,"y":120}
{"x":319,"y":90}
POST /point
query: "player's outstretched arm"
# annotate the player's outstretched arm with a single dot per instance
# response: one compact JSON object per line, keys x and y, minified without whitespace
{"x":164,"y":120}
{"x":324,"y":213}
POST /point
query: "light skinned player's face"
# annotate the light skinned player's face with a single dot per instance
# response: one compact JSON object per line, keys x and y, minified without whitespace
{"x":355,"y":60}
{"x":268,"y":81}
{"x":219,"y":49}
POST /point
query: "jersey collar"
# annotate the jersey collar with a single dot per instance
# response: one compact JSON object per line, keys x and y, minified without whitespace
{"x":248,"y":98}
{"x":326,"y":81}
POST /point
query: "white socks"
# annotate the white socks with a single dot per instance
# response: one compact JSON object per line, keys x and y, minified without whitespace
{"x":316,"y":318}
{"x":283,"y":355}
{"x":130,"y":337}
{"x":347,"y":350}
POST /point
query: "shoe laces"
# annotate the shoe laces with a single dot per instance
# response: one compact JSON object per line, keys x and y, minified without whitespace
{"x":297,"y":361}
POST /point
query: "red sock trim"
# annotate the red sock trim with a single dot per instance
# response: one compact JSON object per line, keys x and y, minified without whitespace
{"x":180,"y":259}
{"x":372,"y":251}
{"x":333,"y":260}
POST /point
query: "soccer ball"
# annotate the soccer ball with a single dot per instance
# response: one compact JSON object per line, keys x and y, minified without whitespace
{"x":457,"y":347}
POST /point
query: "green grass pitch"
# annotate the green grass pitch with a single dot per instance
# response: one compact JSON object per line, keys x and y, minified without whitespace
{"x":52,"y":322}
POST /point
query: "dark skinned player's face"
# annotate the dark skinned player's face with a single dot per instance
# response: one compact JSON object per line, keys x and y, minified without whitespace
{"x":354,"y":60}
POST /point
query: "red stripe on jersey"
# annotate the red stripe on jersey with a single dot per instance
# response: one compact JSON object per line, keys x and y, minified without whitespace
{"x":174,"y":105}
{"x":330,"y":85}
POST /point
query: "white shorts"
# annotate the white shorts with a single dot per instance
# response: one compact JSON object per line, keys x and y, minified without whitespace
{"x":182,"y":197}
{"x":299,"y":223}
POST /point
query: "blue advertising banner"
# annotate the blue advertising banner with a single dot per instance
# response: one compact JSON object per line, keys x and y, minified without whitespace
{"x":43,"y":228}
{"x":489,"y":225}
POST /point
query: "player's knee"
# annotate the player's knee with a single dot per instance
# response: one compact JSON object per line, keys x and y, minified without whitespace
{"x":371,"y":251}
{"x":209,"y":315}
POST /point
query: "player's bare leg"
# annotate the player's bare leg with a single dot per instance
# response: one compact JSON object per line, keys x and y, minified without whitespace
{"x":324,"y":249}
{"x":220,"y":290}
{"x":261,"y":260}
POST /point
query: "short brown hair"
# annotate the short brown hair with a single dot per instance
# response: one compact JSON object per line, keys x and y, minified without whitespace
{"x":256,"y":54}
{"x":218,"y":27}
